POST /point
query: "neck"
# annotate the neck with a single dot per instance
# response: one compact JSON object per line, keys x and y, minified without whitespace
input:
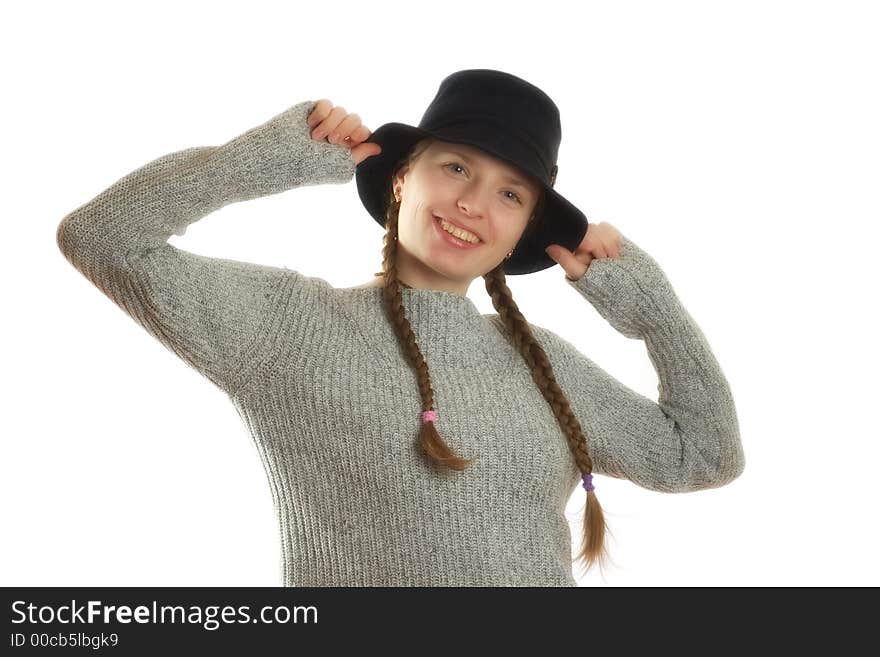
{"x":420,"y":276}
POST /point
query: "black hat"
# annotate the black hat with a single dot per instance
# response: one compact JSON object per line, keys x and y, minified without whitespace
{"x":505,"y":116}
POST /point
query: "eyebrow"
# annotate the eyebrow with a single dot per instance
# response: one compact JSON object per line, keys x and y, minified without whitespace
{"x":510,"y":179}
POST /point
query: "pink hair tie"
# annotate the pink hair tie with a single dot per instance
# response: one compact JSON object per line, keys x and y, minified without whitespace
{"x":428,"y":416}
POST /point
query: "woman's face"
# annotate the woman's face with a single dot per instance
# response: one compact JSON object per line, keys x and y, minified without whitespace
{"x":472,"y":189}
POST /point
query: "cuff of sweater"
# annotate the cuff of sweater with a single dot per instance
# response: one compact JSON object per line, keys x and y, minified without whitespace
{"x":630,"y":291}
{"x":280,"y":154}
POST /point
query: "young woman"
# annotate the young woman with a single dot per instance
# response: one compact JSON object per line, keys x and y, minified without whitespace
{"x":407,"y":438}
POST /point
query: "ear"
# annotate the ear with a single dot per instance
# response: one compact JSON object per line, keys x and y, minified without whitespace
{"x":399,"y":178}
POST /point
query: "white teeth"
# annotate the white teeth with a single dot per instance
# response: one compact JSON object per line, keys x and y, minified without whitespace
{"x":461,"y":234}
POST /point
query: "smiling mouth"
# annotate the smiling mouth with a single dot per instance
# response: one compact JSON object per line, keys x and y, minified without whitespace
{"x":440,"y":220}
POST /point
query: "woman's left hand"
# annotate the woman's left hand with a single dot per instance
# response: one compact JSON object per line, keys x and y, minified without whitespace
{"x":601,"y":240}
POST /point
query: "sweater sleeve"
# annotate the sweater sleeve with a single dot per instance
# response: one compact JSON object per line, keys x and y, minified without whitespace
{"x":689,"y":439}
{"x":213,"y":313}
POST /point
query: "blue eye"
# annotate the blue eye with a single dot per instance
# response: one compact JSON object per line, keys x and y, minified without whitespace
{"x":456,"y":164}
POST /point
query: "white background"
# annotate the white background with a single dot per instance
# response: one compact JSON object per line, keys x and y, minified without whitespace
{"x":736,"y":142}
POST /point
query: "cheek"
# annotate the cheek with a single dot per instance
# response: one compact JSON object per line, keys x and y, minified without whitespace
{"x":513,"y":230}
{"x":435,"y":182}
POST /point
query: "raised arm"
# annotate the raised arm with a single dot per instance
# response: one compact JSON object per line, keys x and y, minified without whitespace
{"x":689,"y":439}
{"x":213,"y":313}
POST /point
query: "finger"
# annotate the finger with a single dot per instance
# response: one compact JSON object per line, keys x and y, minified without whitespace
{"x":359,"y":135}
{"x":344,"y":128}
{"x":610,"y":248}
{"x":611,"y":244}
{"x":565,"y":259}
{"x":329,"y":124}
{"x":614,"y":242}
{"x":319,"y":112}
{"x":362,"y":151}
{"x":587,"y":263}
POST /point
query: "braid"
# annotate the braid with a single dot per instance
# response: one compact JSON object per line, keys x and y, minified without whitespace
{"x":432,"y":444}
{"x":520,"y":335}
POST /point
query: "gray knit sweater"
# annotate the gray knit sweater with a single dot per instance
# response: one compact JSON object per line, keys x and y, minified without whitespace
{"x":324,"y":390}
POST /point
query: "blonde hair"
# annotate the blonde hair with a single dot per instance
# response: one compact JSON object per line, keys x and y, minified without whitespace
{"x":593,"y":548}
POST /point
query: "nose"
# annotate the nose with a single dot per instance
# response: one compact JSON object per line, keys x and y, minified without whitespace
{"x":469,"y":205}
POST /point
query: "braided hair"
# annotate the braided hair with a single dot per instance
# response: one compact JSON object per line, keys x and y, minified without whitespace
{"x":593,"y":548}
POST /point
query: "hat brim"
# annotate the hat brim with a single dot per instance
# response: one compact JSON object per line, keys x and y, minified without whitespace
{"x":561,"y":222}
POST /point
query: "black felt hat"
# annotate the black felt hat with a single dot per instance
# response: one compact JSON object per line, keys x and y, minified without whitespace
{"x":505,"y":116}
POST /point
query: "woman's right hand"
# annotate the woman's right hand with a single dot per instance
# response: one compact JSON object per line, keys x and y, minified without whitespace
{"x":335,"y":124}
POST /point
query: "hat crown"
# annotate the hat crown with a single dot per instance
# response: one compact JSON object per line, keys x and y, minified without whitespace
{"x":499,"y":100}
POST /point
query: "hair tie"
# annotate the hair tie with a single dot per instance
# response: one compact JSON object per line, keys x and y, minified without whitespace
{"x":588,"y":482}
{"x":428,"y":416}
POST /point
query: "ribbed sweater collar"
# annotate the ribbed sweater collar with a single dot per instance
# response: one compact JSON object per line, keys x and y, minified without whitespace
{"x":445,"y":322}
